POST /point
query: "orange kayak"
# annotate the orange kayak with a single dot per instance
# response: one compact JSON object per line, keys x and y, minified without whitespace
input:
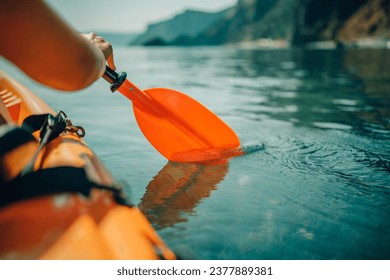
{"x":57,"y":200}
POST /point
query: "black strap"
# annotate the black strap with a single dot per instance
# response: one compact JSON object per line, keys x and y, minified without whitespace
{"x":12,"y":137}
{"x":50,"y":126}
{"x":33,"y":123}
{"x":51,"y":181}
{"x":30,"y":183}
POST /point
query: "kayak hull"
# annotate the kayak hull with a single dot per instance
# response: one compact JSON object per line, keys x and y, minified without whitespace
{"x":63,"y":222}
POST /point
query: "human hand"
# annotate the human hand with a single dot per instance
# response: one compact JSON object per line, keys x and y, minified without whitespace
{"x":104,"y":46}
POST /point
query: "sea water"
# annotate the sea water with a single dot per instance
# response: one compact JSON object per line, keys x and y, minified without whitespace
{"x":314,"y":182}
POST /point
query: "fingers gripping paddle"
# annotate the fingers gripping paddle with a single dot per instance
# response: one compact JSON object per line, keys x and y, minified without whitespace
{"x":179,"y":127}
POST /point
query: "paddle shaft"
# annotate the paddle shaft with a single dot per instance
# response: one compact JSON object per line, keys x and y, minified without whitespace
{"x":119,"y":82}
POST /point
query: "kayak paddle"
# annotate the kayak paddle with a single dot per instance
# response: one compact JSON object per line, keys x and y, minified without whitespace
{"x":179,"y":127}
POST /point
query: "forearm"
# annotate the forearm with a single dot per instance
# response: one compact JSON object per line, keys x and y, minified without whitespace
{"x":35,"y":39}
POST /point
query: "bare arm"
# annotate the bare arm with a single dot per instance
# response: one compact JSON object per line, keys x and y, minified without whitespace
{"x":41,"y":44}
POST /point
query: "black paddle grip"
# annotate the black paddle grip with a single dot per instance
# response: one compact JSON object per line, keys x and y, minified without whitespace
{"x":114,"y":78}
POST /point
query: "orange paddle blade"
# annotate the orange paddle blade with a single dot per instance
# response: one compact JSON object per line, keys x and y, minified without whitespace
{"x":179,"y":127}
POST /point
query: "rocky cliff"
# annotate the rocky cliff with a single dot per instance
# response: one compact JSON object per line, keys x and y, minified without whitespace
{"x":340,"y":21}
{"x":371,"y":20}
{"x":299,"y":22}
{"x":248,"y":21}
{"x":186,"y":25}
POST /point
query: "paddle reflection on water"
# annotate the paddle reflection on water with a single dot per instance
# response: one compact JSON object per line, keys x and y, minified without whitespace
{"x":178,"y":188}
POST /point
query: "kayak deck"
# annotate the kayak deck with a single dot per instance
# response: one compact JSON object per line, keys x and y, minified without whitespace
{"x":68,"y":206}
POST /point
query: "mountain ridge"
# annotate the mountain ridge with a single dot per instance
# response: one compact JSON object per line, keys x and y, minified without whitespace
{"x":295,"y":22}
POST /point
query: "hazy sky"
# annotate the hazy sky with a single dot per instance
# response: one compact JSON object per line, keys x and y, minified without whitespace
{"x":127,"y":15}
